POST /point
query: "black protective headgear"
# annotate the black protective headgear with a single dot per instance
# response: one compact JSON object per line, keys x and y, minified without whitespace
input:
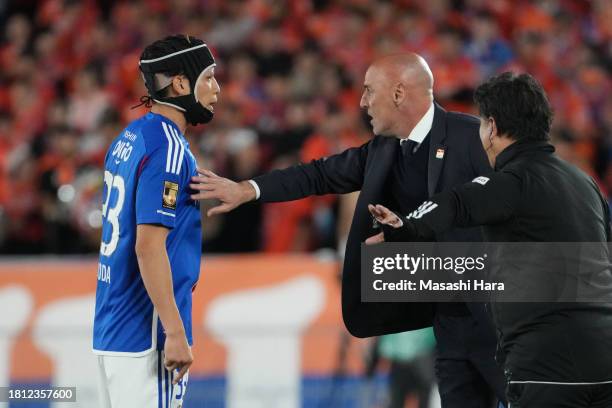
{"x":190,"y":61}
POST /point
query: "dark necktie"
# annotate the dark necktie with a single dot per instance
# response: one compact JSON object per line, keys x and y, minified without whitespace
{"x":408,"y":147}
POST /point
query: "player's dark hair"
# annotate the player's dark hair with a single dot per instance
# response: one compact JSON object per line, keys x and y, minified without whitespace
{"x":168,"y":45}
{"x":518,"y":104}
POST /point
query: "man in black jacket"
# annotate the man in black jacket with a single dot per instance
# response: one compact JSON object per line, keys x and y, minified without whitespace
{"x":419,"y":150}
{"x":555,"y":354}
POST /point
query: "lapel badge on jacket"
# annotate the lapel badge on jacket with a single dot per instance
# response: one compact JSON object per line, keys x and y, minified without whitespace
{"x":440,"y":154}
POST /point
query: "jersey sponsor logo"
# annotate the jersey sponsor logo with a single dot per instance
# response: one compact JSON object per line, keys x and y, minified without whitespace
{"x":423,"y":209}
{"x":176,"y":150}
{"x":481,"y":180}
{"x":170,"y":194}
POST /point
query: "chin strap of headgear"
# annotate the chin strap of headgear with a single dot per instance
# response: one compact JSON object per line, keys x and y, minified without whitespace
{"x":192,"y":62}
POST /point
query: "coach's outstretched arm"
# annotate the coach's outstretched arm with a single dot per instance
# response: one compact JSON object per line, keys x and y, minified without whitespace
{"x":485,"y":200}
{"x":157,"y":278}
{"x":338,"y":174}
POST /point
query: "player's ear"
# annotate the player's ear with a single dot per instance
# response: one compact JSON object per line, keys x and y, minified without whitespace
{"x":180,"y":85}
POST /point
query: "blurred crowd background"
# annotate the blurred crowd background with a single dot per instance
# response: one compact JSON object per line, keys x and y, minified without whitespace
{"x":291,"y":77}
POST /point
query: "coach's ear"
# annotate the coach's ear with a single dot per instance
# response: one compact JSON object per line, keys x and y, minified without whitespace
{"x":399,"y":94}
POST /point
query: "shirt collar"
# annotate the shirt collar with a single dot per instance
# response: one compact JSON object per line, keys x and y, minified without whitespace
{"x":422,"y":128}
{"x":520,"y":147}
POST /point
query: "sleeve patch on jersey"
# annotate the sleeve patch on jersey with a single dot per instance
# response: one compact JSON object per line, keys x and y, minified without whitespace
{"x":481,"y":180}
{"x":170,"y":195}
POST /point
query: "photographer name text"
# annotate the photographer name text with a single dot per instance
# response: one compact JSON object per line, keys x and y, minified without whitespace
{"x":433,"y":286}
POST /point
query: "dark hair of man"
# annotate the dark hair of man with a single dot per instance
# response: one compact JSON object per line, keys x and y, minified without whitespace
{"x":168,"y":45}
{"x":518,"y":104}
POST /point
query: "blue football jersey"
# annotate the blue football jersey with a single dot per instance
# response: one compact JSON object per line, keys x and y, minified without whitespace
{"x":147,"y":172}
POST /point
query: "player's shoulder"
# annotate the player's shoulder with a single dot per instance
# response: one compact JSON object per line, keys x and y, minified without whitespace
{"x":163,"y":141}
{"x":158,"y":132}
{"x":127,"y":146}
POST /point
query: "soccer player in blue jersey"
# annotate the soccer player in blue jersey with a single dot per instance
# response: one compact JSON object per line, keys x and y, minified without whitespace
{"x":151,"y":236}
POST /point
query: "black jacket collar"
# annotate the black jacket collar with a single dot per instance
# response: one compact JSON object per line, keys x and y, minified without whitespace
{"x":520,"y":147}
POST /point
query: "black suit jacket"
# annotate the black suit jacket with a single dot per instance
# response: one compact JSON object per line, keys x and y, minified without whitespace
{"x":453,"y":136}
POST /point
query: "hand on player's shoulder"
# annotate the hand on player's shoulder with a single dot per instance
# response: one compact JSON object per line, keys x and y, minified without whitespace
{"x":208,"y":185}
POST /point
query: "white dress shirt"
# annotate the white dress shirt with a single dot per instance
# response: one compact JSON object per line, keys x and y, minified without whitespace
{"x":422,"y":128}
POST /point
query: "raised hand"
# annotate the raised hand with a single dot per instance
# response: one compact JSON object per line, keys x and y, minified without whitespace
{"x":385,"y":216}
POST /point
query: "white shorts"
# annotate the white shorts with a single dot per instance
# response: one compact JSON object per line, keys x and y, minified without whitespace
{"x":128,"y":382}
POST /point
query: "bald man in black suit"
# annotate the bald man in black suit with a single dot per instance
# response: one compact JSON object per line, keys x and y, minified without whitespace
{"x":419,"y":149}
